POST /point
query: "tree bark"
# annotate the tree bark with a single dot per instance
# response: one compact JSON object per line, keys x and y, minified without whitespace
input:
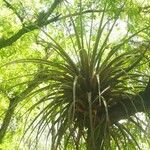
{"x":7,"y":119}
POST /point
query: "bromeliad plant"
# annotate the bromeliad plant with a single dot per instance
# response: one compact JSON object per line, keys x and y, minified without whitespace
{"x":91,"y":86}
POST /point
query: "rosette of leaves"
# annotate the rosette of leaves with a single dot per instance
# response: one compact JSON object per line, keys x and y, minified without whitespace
{"x":92,"y":79}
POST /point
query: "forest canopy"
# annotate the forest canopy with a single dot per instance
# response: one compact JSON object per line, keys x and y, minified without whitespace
{"x":74,"y":74}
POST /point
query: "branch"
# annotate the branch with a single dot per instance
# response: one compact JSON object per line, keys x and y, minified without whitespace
{"x":15,"y":37}
{"x":43,"y":16}
{"x":14,"y":10}
{"x":21,"y":32}
{"x":37,"y":25}
{"x":40,"y":22}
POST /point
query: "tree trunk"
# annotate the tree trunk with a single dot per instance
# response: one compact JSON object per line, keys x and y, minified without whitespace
{"x":7,"y":119}
{"x":94,"y":143}
{"x":125,"y":108}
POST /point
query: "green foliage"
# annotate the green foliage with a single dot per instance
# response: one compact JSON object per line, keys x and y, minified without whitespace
{"x":66,"y":76}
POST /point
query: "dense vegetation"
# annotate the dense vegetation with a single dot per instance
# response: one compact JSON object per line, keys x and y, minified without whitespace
{"x":74,"y":74}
